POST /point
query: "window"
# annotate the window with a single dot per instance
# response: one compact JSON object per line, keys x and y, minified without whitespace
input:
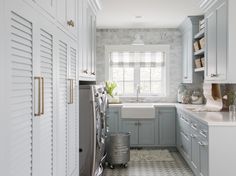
{"x":143,"y":67}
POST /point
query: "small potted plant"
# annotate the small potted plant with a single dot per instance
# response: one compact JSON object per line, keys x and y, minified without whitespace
{"x":110,"y":87}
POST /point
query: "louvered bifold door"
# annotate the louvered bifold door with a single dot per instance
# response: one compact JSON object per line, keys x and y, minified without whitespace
{"x":62,"y":108}
{"x":45,"y":120}
{"x":20,"y":132}
{"x":73,"y":115}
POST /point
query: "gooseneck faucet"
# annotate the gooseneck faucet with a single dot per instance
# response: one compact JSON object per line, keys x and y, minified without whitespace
{"x":137,"y":92}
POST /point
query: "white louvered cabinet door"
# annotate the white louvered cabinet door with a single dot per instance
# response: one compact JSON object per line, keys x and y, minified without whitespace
{"x":62,"y":106}
{"x":29,"y":56}
{"x":73,"y":114}
{"x":19,"y":104}
{"x":44,"y":136}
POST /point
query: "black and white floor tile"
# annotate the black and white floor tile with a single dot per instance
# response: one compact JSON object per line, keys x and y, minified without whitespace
{"x":177,"y":167}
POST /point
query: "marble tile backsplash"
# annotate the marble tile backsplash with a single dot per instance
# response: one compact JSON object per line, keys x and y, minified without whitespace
{"x":170,"y":37}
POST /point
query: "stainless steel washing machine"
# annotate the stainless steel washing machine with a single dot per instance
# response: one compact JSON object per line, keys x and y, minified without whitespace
{"x":93,"y":106}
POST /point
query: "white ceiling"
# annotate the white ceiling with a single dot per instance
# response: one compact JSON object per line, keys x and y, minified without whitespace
{"x":155,"y":13}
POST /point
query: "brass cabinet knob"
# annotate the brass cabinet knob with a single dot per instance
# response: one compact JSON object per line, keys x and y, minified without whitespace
{"x":71,"y":23}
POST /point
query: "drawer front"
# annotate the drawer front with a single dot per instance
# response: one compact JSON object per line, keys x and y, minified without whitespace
{"x":186,"y":145}
{"x":194,"y":126}
{"x":184,"y":124}
{"x":203,"y":130}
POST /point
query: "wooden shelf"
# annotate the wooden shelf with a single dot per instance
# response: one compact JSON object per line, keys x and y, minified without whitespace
{"x":200,"y":34}
{"x":199,"y":52}
{"x":199,"y":69}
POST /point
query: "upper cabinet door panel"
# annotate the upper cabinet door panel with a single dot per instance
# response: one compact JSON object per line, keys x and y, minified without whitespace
{"x":217,"y":43}
{"x":66,"y":15}
{"x":221,"y":49}
{"x":211,"y":46}
{"x":48,"y":5}
{"x":71,"y":15}
{"x":61,"y":11}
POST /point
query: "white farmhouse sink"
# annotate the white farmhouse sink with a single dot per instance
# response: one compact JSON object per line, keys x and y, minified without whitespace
{"x":138,"y":111}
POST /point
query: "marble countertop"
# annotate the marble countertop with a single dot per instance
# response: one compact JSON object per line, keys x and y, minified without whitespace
{"x":208,"y":118}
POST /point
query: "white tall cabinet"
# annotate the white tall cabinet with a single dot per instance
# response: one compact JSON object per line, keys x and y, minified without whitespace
{"x":67,"y":99}
{"x":87,"y":34}
{"x":39,"y":99}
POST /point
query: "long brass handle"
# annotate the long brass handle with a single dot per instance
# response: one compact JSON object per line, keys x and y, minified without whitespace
{"x":39,"y":96}
{"x":69,"y":102}
{"x":42,"y":89}
{"x":72,"y":92}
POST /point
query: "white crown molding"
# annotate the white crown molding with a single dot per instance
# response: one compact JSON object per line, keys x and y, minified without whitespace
{"x":206,"y":4}
{"x":96,"y":5}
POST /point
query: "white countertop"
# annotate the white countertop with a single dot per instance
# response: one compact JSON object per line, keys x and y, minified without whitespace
{"x":208,"y":118}
{"x":155,"y":104}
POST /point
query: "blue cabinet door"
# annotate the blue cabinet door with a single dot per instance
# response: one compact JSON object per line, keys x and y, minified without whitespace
{"x":203,"y":153}
{"x":113,"y":120}
{"x":194,"y":152}
{"x":178,"y":137}
{"x":132,"y":127}
{"x":167,"y":126}
{"x":146,"y":132}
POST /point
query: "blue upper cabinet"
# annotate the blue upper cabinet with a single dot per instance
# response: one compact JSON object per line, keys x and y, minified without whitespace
{"x":189,"y":28}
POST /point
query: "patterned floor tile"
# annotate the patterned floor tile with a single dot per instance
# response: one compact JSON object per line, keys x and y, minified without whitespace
{"x":178,"y":167}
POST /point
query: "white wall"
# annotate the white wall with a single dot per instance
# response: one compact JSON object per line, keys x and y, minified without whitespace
{"x":170,"y":37}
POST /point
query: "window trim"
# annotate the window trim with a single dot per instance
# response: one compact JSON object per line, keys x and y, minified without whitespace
{"x":140,"y":48}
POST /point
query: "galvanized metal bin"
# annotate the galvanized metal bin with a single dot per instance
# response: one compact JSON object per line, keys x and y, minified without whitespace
{"x":118,"y":149}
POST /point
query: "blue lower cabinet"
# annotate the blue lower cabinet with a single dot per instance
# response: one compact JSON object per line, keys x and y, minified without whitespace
{"x":195,"y":152}
{"x":142,"y":131}
{"x":203,"y":153}
{"x":113,"y":120}
{"x":167,"y":134}
{"x":132,"y":127}
{"x":146,"y":132}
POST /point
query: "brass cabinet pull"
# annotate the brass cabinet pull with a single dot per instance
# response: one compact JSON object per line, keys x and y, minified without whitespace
{"x":72,"y":98}
{"x":71,"y":23}
{"x":69,"y":102}
{"x":42,"y":88}
{"x":40,"y":102}
{"x":71,"y":93}
{"x":93,"y":73}
{"x":85,"y":71}
{"x":38,"y":113}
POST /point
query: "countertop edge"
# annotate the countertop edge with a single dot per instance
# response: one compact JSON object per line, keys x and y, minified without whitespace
{"x":193,"y":114}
